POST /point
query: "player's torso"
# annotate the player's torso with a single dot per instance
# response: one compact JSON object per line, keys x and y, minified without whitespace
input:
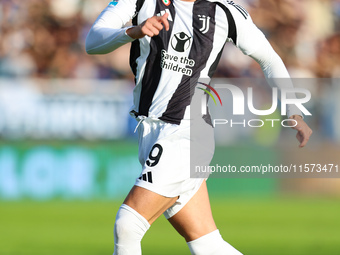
{"x":167,"y":66}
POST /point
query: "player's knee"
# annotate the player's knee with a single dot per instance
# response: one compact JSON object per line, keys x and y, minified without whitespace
{"x":122,"y":227}
{"x":129,"y":225}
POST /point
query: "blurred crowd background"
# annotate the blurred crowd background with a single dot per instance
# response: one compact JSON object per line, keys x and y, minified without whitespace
{"x":45,"y":39}
{"x":63,"y":109}
{"x":66,"y":135}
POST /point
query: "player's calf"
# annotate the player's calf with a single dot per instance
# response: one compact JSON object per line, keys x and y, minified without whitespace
{"x":129,"y":230}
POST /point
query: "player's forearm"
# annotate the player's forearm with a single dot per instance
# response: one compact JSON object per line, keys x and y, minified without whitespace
{"x":107,"y":33}
{"x":275,"y":72}
{"x":270,"y":62}
{"x":105,"y":40}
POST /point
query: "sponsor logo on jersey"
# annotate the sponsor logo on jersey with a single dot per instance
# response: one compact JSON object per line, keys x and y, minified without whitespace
{"x":114,"y":2}
{"x":179,"y":64}
{"x":205,"y":23}
{"x":180,"y":42}
{"x":166,"y":2}
{"x":165,"y":11}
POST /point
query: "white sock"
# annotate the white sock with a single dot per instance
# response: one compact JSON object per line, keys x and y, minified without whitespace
{"x":129,"y":230}
{"x":212,"y":244}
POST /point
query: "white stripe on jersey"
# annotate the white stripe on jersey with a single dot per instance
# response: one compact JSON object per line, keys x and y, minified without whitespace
{"x":220,"y":37}
{"x":182,"y":22}
{"x":161,"y":92}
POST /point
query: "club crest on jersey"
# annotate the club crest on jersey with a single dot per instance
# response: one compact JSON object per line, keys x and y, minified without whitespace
{"x":180,"y":42}
{"x":114,"y":3}
{"x":205,"y":23}
{"x":166,"y":2}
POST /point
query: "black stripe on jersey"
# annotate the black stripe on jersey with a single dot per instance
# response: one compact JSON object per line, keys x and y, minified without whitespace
{"x":232,"y":32}
{"x":213,"y":67}
{"x":200,"y":51}
{"x":134,"y":54}
{"x":135,"y":47}
{"x":153,"y":68}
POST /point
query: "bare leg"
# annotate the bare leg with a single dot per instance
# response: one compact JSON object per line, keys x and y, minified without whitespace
{"x":139,"y":210}
{"x":147,"y":203}
{"x":196,"y":224}
{"x":195,"y":219}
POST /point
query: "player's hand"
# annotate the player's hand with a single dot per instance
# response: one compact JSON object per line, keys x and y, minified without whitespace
{"x":304,"y":132}
{"x":149,"y":27}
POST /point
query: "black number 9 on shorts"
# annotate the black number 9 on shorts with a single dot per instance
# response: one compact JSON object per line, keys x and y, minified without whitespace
{"x":154,"y":159}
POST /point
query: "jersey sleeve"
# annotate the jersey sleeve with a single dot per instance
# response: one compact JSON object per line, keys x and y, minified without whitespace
{"x":252,"y":42}
{"x":108,"y":32}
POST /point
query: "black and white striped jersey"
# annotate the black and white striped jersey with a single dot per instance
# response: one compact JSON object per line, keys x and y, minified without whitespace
{"x":167,"y":65}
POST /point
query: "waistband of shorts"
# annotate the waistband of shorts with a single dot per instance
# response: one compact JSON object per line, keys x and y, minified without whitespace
{"x":139,"y":117}
{"x":142,"y":118}
{"x":185,"y":123}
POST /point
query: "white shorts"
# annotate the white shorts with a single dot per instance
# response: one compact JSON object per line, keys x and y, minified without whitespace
{"x":164,"y":153}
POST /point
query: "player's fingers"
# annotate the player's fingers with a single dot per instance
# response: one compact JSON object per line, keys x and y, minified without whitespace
{"x":162,"y":18}
{"x":147,"y":31}
{"x":303,"y":143}
{"x":159,"y":20}
{"x":154,"y":30}
{"x":165,"y":22}
{"x":156,"y":22}
{"x":299,"y":138}
{"x":303,"y":138}
{"x":154,"y":26}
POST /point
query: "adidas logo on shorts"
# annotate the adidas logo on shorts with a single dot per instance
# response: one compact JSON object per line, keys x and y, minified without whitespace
{"x":146,"y":177}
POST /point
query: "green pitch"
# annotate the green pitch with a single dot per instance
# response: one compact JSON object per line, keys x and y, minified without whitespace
{"x":271,"y":226}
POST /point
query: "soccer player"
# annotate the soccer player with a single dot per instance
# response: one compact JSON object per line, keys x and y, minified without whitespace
{"x":175,"y":43}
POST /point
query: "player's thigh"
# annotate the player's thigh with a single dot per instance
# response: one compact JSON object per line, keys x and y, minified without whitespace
{"x":147,"y":203}
{"x":195,"y":218}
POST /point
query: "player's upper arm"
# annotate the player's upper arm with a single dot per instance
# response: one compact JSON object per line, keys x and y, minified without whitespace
{"x":247,"y":37}
{"x":251,"y":41}
{"x":107,"y":32}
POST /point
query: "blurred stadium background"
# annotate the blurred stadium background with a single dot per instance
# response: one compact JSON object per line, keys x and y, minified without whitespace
{"x":68,"y":152}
